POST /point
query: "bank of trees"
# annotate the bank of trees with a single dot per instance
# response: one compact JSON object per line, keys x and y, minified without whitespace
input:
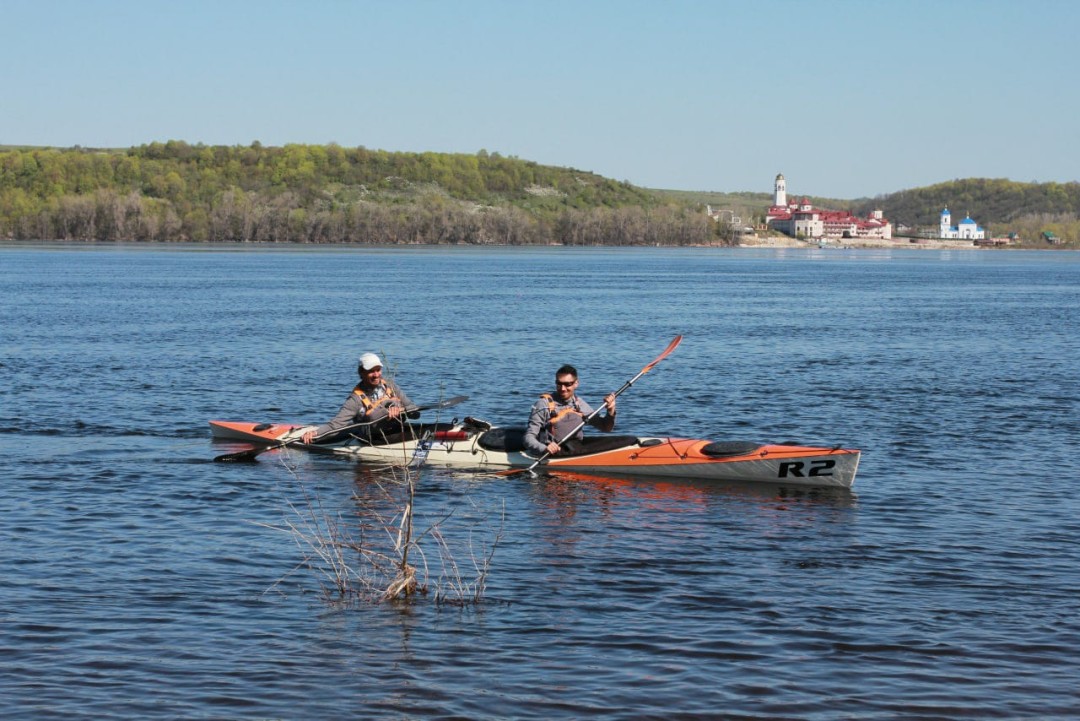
{"x":175,"y":192}
{"x":106,"y":215}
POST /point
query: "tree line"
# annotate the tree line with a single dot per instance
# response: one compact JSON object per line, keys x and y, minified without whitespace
{"x":176,"y":192}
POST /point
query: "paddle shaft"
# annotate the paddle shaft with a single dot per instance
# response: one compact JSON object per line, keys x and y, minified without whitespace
{"x":625,"y":386}
{"x":250,"y":453}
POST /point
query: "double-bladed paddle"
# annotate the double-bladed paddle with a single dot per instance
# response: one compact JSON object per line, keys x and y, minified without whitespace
{"x":249,"y":455}
{"x":585,"y":421}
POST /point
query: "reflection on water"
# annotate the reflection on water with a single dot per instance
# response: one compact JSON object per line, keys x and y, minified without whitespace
{"x":697,"y":491}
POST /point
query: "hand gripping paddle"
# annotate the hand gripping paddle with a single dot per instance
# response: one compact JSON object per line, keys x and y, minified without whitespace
{"x":585,"y":421}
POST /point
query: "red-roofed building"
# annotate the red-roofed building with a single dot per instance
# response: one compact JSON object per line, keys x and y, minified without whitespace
{"x":803,"y":220}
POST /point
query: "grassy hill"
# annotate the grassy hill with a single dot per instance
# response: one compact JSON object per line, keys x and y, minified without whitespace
{"x":181,"y":170}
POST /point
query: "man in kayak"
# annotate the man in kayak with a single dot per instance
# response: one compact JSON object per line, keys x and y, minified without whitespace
{"x":375,"y":400}
{"x":557,"y":414}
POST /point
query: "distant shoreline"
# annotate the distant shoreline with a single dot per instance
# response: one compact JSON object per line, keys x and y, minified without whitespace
{"x":776,"y":242}
{"x":877,"y":243}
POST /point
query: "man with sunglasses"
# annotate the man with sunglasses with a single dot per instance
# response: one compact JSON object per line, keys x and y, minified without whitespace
{"x":557,"y":414}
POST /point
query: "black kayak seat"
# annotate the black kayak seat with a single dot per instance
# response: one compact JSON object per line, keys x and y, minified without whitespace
{"x":721,"y":449}
{"x":597,"y":444}
{"x":512,"y":439}
{"x":503,"y":439}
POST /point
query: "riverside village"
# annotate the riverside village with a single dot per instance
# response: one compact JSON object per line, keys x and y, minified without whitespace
{"x":791,"y":222}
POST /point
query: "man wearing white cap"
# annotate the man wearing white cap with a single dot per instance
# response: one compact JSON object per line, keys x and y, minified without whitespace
{"x":374,"y":399}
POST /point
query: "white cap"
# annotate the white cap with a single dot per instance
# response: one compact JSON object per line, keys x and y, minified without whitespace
{"x":369,"y":361}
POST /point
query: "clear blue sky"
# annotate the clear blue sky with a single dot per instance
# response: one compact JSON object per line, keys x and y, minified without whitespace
{"x":848,"y":98}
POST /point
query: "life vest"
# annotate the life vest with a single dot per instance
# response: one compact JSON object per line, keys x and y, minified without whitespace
{"x":562,"y":422}
{"x":370,"y":404}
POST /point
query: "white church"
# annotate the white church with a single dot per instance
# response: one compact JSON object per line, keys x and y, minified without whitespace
{"x":968,"y":229}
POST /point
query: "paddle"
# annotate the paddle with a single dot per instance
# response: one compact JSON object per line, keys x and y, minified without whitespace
{"x":585,"y":421}
{"x":249,"y":455}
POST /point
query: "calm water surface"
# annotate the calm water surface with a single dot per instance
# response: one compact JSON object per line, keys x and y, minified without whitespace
{"x":142,"y":580}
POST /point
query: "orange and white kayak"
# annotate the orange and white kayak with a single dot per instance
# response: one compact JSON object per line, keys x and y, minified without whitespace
{"x":475,"y":445}
{"x":266,"y":433}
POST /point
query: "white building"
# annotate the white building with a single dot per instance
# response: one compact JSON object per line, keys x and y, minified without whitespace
{"x":968,"y":229}
{"x":802,"y":220}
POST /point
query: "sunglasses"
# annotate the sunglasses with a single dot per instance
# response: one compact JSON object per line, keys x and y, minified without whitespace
{"x":565,"y":384}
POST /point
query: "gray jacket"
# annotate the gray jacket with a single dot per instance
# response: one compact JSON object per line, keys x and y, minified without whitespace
{"x":537,"y":434}
{"x":355,"y":411}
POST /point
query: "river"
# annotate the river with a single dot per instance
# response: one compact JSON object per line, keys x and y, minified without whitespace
{"x":143,"y":580}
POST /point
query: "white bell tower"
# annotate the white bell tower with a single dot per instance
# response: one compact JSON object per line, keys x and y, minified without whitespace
{"x":946,"y":224}
{"x":780,"y":191}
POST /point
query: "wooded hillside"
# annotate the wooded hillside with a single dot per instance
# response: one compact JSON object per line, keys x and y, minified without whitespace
{"x":310,"y":193}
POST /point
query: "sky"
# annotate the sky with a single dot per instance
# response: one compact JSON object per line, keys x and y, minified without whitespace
{"x":846,"y":98}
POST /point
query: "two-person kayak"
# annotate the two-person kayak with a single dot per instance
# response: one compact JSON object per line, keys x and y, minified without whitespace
{"x":476,"y":445}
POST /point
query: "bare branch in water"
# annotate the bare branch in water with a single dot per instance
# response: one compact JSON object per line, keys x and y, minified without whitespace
{"x":353,"y":566}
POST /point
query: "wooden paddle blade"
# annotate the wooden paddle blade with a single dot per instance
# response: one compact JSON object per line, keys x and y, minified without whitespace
{"x":667,"y":351}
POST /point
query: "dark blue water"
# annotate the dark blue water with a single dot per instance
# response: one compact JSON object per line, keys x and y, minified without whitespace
{"x":142,"y":580}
